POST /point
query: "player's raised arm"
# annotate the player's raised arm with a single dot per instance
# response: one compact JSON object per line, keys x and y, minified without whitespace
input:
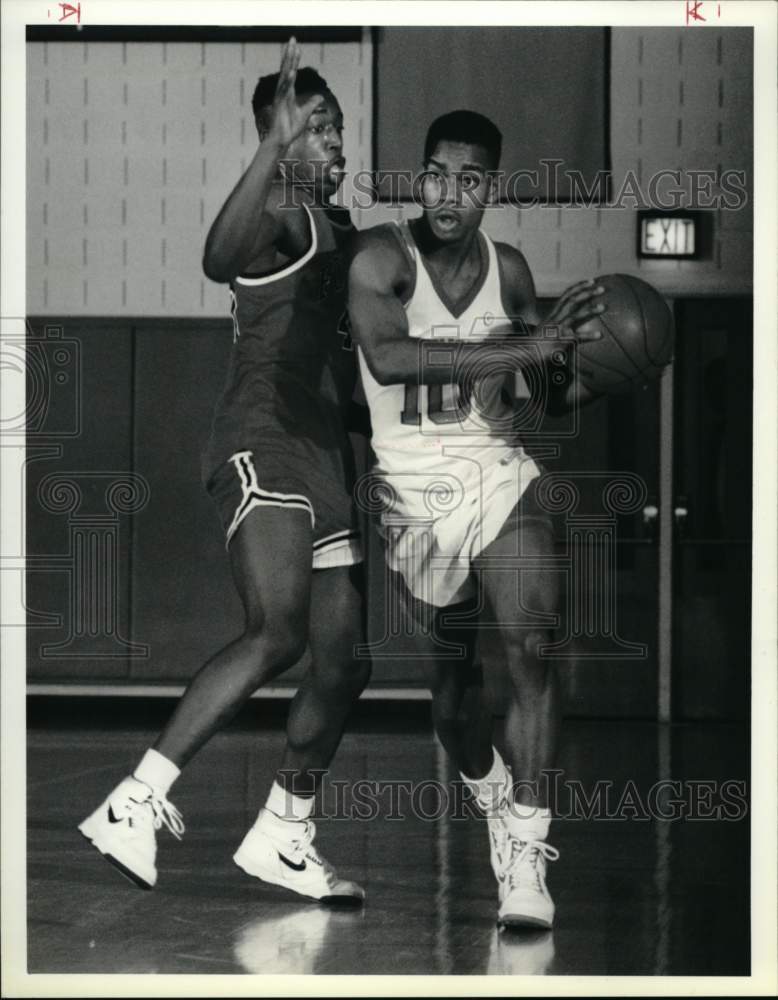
{"x":249,"y":221}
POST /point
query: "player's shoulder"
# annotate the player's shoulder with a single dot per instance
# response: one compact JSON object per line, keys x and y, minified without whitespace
{"x":381,"y":239}
{"x":516,"y":283}
{"x":515,"y":273}
{"x":379,"y":249}
{"x":512,"y":261}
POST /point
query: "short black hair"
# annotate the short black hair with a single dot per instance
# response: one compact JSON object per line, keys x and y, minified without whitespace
{"x":464,"y":126}
{"x":307,"y":81}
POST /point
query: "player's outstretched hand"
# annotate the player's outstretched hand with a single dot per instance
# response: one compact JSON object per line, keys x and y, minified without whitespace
{"x":288,"y":119}
{"x":575,"y":307}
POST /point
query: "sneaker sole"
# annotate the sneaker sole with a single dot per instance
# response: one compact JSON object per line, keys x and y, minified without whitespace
{"x":250,"y":867}
{"x":128,"y":873}
{"x":517,"y":921}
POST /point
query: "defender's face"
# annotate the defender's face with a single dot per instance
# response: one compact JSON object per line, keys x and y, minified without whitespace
{"x":456,"y":189}
{"x":319,"y":149}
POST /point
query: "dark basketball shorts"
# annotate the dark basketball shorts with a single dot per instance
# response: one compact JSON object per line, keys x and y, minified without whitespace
{"x":243,"y":484}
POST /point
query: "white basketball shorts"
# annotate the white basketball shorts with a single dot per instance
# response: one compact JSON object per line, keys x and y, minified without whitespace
{"x":438,"y":525}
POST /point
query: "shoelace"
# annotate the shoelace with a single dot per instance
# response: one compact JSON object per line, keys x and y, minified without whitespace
{"x":166,"y":814}
{"x":304,"y":845}
{"x":524,"y":866}
{"x":307,"y":831}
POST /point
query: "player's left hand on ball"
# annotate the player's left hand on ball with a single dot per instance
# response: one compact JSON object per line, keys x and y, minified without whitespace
{"x":587,"y":330}
{"x":576,"y":307}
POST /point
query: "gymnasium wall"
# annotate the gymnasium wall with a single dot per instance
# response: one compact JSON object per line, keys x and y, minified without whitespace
{"x":133,"y":147}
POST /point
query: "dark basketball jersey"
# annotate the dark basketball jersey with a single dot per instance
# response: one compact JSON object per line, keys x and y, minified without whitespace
{"x":291,"y":374}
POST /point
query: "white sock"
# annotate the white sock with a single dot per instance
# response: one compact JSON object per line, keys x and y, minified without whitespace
{"x":528,"y":822}
{"x":489,"y":790}
{"x":157,"y":771}
{"x":283,"y":804}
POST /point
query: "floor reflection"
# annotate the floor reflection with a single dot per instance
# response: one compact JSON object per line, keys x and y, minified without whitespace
{"x":526,"y":953}
{"x":294,"y":941}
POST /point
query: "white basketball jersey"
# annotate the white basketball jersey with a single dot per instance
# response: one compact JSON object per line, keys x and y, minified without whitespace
{"x":423,"y":433}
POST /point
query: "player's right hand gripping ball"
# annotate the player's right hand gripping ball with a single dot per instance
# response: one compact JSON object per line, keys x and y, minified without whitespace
{"x":637,"y":337}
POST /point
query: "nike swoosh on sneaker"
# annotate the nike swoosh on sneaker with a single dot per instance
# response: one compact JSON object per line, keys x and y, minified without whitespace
{"x":298,"y":866}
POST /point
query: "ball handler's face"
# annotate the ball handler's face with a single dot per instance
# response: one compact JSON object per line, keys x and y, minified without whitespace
{"x":319,"y":149}
{"x":456,"y":189}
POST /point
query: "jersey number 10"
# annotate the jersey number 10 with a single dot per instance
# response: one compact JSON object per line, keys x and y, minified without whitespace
{"x":444,"y":404}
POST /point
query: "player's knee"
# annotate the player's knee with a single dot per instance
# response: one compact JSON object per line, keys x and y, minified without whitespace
{"x":358,"y":676}
{"x":279,"y":643}
{"x":524,"y":648}
{"x":446,"y":713}
{"x":346,"y":679}
{"x":287,"y":643}
{"x":446,"y":699}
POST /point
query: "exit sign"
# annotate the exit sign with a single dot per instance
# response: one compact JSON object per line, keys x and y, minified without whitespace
{"x":672,"y":235}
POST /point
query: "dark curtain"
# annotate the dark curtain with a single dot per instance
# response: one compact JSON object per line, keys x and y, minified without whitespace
{"x":545,"y":89}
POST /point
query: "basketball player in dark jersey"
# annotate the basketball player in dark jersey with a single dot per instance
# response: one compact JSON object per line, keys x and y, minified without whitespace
{"x":439,"y":314}
{"x":279,"y":467}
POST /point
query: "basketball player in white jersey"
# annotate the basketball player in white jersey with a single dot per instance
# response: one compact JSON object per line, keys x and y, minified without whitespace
{"x":428,"y":302}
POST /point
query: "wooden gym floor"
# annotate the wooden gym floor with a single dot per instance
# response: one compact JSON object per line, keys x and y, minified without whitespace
{"x":634,"y":895}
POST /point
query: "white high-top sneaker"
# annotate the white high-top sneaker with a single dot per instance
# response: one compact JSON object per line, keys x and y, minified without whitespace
{"x":282,"y":852}
{"x":524,"y":898}
{"x":123,"y":829}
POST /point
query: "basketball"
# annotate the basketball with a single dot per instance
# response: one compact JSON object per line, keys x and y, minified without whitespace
{"x":637,"y":337}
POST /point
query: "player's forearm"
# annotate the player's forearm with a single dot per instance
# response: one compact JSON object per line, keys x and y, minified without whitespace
{"x":421,"y":361}
{"x":235,"y":235}
{"x":411,"y":361}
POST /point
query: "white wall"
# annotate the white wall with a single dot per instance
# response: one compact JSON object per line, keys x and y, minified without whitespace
{"x":131,"y":151}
